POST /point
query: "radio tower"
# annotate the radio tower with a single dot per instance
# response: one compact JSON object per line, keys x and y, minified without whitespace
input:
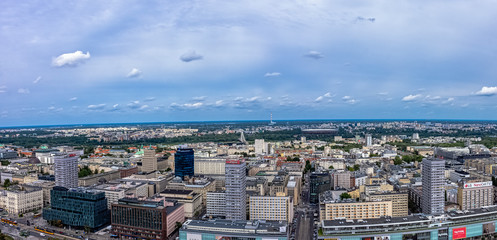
{"x":271,"y":121}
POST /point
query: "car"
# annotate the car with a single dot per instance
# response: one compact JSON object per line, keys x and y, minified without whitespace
{"x":42,"y":234}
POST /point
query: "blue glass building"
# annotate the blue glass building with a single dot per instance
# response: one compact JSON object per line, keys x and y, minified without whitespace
{"x":183,"y":162}
{"x":78,"y":208}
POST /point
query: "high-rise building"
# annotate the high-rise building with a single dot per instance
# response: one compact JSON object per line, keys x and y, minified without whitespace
{"x":369,"y":140}
{"x":236,"y":186}
{"x":260,"y":146}
{"x":216,"y":204}
{"x":341,"y":180}
{"x":149,"y":161}
{"x":184,"y":163}
{"x":66,"y":170}
{"x":77,"y":207}
{"x":415,"y":136}
{"x":318,"y":183}
{"x":433,"y":198}
{"x":474,"y":194}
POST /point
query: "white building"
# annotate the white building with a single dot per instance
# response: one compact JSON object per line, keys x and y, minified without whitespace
{"x":260,"y":146}
{"x":369,"y":140}
{"x":66,"y":170}
{"x":279,"y":208}
{"x":21,"y":199}
{"x":216,"y":204}
{"x":209,"y":166}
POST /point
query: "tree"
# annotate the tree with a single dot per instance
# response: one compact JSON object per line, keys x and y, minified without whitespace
{"x":397,"y":160}
{"x":96,"y":171}
{"x":5,"y":162}
{"x":178,"y":225}
{"x":102,"y":171}
{"x":331,"y":167}
{"x":7,"y":183}
{"x":345,"y":196}
{"x":357,"y":167}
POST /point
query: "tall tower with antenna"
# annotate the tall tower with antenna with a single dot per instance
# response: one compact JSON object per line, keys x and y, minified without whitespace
{"x":271,"y":121}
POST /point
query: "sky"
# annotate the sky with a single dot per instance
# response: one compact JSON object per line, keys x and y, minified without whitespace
{"x":79,"y":62}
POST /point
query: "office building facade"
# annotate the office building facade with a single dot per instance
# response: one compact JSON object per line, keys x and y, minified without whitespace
{"x":399,"y":202}
{"x":471,"y":195}
{"x":216,"y":204}
{"x":319,"y":182}
{"x":236,"y":186}
{"x":149,"y":161}
{"x":278,"y":208}
{"x":184,"y":163}
{"x":77,"y":208}
{"x":66,"y":170}
{"x":433,"y":177}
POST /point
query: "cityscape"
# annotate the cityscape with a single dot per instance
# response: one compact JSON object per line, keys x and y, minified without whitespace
{"x":248,"y":120}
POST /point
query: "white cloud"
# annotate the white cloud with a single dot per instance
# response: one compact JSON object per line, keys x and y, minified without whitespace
{"x":321,"y":98}
{"x":54,"y":109}
{"x":149,"y":99}
{"x":314,"y":54}
{"x":73,"y":99}
{"x":190,"y":56}
{"x":272,"y":74}
{"x":187,"y":106}
{"x":70,"y":59}
{"x":96,"y":106}
{"x":134,"y":73}
{"x":23,"y":91}
{"x":410,"y":98}
{"x":199,"y":98}
{"x":2,"y":89}
{"x":134,"y":104}
{"x":349,"y":100}
{"x":115,"y":105}
{"x":487,"y":91}
{"x":37,"y":80}
{"x":143,"y":107}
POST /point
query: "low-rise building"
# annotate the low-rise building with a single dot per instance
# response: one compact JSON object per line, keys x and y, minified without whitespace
{"x":475,"y":194}
{"x":277,"y":208}
{"x":399,"y":202}
{"x":21,"y":199}
{"x":331,"y":208}
{"x":192,"y":201}
{"x":227,"y":229}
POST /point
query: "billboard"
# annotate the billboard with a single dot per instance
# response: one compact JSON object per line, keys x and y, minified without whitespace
{"x":489,"y":228}
{"x":458,"y":233}
{"x":477,"y":184}
{"x":382,"y":238}
{"x":193,"y":236}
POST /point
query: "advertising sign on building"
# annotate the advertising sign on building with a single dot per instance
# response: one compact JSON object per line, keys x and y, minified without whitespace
{"x":458,"y":233}
{"x":477,"y":184}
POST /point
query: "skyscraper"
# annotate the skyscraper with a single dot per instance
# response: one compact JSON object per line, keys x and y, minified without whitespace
{"x":184,"y":162}
{"x":433,"y":198}
{"x":369,"y":140}
{"x":66,"y":170}
{"x":149,"y":161}
{"x":236,"y":186}
{"x":260,"y":146}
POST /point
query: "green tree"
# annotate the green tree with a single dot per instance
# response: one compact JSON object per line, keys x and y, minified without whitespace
{"x":5,"y":162}
{"x":331,"y":167}
{"x":7,"y":183}
{"x":102,"y":171}
{"x":96,"y":171}
{"x":345,"y":196}
{"x":178,"y":225}
{"x":357,"y":167}
{"x":397,"y":160}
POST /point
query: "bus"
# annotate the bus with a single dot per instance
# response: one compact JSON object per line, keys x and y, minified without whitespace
{"x":43,"y":230}
{"x":4,"y":220}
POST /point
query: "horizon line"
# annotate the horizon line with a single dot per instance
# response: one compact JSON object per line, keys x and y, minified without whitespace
{"x":239,"y":121}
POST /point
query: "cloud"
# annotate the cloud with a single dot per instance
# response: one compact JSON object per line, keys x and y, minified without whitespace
{"x":70,"y":59}
{"x":2,"y":89}
{"x":190,"y":56}
{"x":96,"y":106}
{"x":143,"y":107}
{"x":410,"y":98}
{"x":186,"y":106}
{"x":314,"y":54}
{"x":349,"y":100}
{"x":149,"y":99}
{"x":272,"y":74}
{"x":73,"y":99}
{"x":321,"y":98}
{"x":54,"y":109}
{"x":23,"y":91}
{"x":487,"y":91}
{"x":134,"y":104}
{"x":199,"y":98}
{"x":37,"y":80}
{"x":362,"y":19}
{"x":134,"y":73}
{"x":115,"y":107}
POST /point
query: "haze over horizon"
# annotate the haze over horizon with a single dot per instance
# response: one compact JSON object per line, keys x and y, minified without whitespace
{"x":165,"y":61}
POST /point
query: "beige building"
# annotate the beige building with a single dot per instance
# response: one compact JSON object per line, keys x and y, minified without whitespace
{"x":21,"y":199}
{"x":149,"y":161}
{"x":192,"y":201}
{"x":209,"y":166}
{"x":99,"y":178}
{"x":399,"y":202}
{"x":471,"y":195}
{"x":330,"y":210}
{"x":46,"y":187}
{"x":278,"y":208}
{"x":200,"y":186}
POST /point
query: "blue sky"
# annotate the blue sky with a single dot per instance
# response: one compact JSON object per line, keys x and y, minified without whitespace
{"x":64,"y":62}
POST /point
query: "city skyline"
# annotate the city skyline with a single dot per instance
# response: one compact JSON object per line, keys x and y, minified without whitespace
{"x":125,"y":61}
